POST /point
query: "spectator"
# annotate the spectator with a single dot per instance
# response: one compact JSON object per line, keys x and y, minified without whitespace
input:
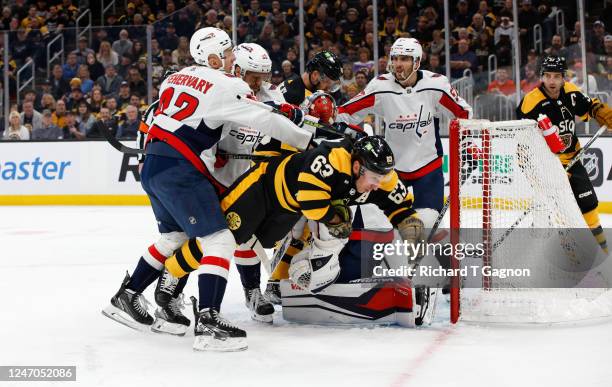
{"x":47,"y":102}
{"x":181,"y":55}
{"x":106,"y":56}
{"x":531,"y":80}
{"x":488,"y":16}
{"x":129,"y":127}
{"x":382,"y":64}
{"x":124,"y":64}
{"x":436,"y":46}
{"x":597,"y":38}
{"x":96,"y":70}
{"x":483,"y":48}
{"x":86,"y":82}
{"x":463,"y":17}
{"x":506,"y":10}
{"x":556,"y":47}
{"x":364,"y":61}
{"x":186,"y":27}
{"x":47,"y":130}
{"x":84,"y":118}
{"x":59,"y":85}
{"x":402,"y":19}
{"x":82,"y":50}
{"x":527,"y":18}
{"x":59,"y":115}
{"x":277,"y":77}
{"x":123,"y":45}
{"x":504,"y":29}
{"x":21,"y":48}
{"x":112,"y":106}
{"x":211,"y":19}
{"x":138,"y":50}
{"x":578,"y":79}
{"x":110,"y":81}
{"x":347,"y":77}
{"x":462,"y":60}
{"x":123,"y":97}
{"x":170,"y":40}
{"x":55,"y":21}
{"x":478,"y":27}
{"x":71,"y":66}
{"x":105,"y":122}
{"x":254,"y":25}
{"x":128,"y":17}
{"x":267,"y":34}
{"x":15,"y":130}
{"x":96,"y":101}
{"x":502,"y":83}
{"x":71,"y":129}
{"x":434,"y":64}
{"x":390,"y":32}
{"x":361,"y":80}
{"x":29,"y":116}
{"x":5,"y":21}
{"x":137,"y":84}
{"x":422,"y":31}
{"x":137,"y":102}
{"x":287,"y":69}
{"x":76,"y":95}
{"x":351,"y":91}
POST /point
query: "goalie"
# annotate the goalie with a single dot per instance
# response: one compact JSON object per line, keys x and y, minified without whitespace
{"x":554,"y":104}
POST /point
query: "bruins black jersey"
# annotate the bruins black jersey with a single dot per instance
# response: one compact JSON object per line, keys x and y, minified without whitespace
{"x":308,"y":181}
{"x":294,"y":90}
{"x":562,"y":112}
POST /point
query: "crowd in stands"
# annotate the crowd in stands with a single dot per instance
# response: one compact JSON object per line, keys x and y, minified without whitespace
{"x":102,"y":82}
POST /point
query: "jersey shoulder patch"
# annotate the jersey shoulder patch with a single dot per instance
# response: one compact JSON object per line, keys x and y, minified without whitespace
{"x":531,"y":100}
{"x":569,"y":87}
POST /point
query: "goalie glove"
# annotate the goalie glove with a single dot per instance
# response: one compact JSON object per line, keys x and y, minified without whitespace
{"x":343,"y":228}
{"x":550,"y":133}
{"x":603,"y":114}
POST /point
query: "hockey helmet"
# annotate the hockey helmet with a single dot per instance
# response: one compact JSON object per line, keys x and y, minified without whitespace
{"x":209,"y":41}
{"x":406,"y":47}
{"x":321,"y":105}
{"x":326,"y":62}
{"x":553,"y":64}
{"x":374,"y":154}
{"x":251,"y":57}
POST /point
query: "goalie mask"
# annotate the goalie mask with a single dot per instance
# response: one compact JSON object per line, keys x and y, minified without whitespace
{"x":321,"y":105}
{"x":405,"y":47}
{"x":209,"y":41}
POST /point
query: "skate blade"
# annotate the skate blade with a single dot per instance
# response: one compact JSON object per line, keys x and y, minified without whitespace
{"x":163,"y":326}
{"x":123,"y":318}
{"x":210,"y":344}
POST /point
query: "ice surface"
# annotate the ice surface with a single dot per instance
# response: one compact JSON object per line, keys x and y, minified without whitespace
{"x":59,"y":267}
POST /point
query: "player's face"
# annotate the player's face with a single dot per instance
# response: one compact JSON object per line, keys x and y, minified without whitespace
{"x":254,"y":80}
{"x":552,"y":82}
{"x":402,"y":66}
{"x":229,"y":60}
{"x":368,"y":180}
{"x":328,"y":84}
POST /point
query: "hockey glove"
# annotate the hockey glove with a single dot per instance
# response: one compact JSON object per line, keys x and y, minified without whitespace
{"x":353,"y":131}
{"x":343,"y":228}
{"x":603,"y":114}
{"x":290,"y":111}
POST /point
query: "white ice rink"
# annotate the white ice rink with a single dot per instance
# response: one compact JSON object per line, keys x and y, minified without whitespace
{"x":60,"y":265}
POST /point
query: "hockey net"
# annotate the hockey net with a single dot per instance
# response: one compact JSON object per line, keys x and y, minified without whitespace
{"x":510,"y":193}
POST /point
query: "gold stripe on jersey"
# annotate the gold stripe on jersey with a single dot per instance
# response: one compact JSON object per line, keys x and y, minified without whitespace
{"x":289,"y":148}
{"x":306,"y":195}
{"x":309,"y":178}
{"x":266,"y":153}
{"x":244,"y":185}
{"x":282,"y":191}
{"x":531,"y":100}
{"x":340,"y":159}
{"x":316,"y":213}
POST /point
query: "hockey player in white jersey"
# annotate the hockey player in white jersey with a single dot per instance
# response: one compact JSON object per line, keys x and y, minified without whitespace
{"x":411,"y":102}
{"x":194,"y":106}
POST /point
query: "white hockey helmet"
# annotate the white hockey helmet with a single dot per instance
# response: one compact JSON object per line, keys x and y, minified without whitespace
{"x":209,"y":41}
{"x":406,"y":47}
{"x":251,"y":57}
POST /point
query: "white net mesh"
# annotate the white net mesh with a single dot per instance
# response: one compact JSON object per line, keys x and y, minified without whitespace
{"x":509,"y":180}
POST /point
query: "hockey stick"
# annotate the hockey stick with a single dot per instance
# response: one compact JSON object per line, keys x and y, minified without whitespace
{"x":118,"y":145}
{"x":577,"y":157}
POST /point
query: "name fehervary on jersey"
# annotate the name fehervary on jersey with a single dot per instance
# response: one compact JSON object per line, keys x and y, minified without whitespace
{"x":195,"y":83}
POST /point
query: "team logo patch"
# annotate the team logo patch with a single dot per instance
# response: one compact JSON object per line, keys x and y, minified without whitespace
{"x":233,"y":221}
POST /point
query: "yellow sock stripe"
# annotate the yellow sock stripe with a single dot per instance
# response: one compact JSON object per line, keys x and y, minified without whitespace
{"x":280,"y":272}
{"x":592,"y":218}
{"x":174,"y":268}
{"x":191,"y":255}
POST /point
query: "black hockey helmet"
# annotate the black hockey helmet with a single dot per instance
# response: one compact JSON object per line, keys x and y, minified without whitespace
{"x":374,"y":154}
{"x":326,"y":62}
{"x":553,"y":64}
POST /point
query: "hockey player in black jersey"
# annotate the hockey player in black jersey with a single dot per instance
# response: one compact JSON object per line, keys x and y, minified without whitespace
{"x":561,"y":101}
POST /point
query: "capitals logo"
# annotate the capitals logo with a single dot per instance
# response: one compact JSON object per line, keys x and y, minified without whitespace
{"x":413,"y":121}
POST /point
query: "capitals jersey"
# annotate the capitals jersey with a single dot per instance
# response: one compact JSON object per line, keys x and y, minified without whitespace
{"x":240,"y":140}
{"x":561,"y":111}
{"x":411,"y":116}
{"x":195,"y":107}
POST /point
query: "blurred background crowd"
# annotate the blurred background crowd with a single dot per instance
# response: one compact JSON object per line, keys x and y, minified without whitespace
{"x":76,"y":68}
